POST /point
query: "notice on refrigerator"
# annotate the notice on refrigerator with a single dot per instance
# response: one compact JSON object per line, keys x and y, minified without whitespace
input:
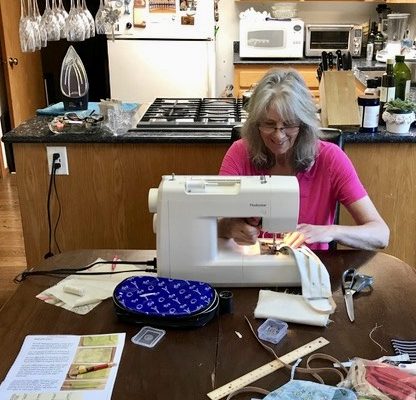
{"x":64,"y":367}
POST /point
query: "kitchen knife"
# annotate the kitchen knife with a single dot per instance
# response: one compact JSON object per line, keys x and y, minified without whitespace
{"x":330,"y":60}
{"x":349,"y":61}
{"x":319,"y":72}
{"x":339,"y":60}
{"x":344,"y":62}
{"x":324,"y":61}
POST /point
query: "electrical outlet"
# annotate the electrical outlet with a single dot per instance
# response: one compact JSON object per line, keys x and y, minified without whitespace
{"x":63,"y":159}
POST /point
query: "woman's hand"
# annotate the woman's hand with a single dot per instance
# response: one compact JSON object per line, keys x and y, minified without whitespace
{"x":308,"y":234}
{"x":244,"y":231}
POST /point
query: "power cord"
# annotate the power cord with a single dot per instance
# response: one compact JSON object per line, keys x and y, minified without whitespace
{"x":78,"y":271}
{"x":59,"y":211}
{"x":55,"y":165}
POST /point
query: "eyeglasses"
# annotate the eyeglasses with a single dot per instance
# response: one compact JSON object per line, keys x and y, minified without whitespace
{"x":269,"y":128}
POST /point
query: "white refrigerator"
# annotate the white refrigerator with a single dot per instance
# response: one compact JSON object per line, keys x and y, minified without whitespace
{"x":171,"y":55}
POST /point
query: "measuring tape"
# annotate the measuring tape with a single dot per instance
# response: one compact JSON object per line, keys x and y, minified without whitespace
{"x":267,"y":369}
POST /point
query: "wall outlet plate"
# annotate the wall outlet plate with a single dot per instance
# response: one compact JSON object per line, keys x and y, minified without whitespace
{"x":63,"y":159}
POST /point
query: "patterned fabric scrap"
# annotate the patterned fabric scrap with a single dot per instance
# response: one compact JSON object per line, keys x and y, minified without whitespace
{"x":305,"y":390}
{"x":405,"y":347}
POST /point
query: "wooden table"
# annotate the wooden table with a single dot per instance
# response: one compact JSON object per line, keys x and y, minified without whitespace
{"x":187,"y":364}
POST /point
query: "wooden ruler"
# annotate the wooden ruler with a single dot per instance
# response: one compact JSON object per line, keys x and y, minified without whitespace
{"x":267,"y":369}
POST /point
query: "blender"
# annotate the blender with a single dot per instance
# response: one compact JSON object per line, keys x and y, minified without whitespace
{"x":396,"y":28}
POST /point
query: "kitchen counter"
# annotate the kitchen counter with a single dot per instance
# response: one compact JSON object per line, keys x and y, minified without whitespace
{"x":36,"y":130}
{"x":110,"y":177}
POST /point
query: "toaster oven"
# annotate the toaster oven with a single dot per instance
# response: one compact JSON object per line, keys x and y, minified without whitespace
{"x":332,"y":37}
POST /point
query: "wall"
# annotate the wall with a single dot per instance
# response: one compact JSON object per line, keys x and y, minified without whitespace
{"x":316,"y":11}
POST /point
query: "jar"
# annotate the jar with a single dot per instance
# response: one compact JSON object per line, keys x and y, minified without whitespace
{"x":373,"y":87}
{"x":369,"y":112}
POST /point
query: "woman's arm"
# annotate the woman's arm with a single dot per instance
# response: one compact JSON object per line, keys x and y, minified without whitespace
{"x":370,"y":233}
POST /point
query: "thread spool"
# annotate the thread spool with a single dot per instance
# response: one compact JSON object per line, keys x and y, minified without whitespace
{"x":226,"y":302}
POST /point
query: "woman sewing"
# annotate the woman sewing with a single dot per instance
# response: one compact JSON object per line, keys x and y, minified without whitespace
{"x":280,"y":137}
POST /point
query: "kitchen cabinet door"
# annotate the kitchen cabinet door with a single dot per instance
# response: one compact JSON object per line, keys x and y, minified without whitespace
{"x":246,"y":75}
{"x":387,"y":172}
{"x":23,"y":71}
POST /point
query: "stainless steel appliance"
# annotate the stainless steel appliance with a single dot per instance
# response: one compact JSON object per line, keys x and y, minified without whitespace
{"x":187,"y":117}
{"x":271,"y":38}
{"x":332,"y":37}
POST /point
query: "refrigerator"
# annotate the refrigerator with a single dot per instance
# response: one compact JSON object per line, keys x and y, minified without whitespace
{"x":163,"y":48}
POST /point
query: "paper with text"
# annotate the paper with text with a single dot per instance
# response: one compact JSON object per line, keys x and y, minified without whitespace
{"x":46,"y":364}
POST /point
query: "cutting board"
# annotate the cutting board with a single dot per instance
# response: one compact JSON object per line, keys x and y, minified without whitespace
{"x":338,"y":97}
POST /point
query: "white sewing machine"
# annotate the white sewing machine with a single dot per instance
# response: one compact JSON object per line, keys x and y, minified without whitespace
{"x":187,"y":209}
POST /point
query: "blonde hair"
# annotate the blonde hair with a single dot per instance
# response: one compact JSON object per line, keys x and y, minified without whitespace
{"x":285,"y":92}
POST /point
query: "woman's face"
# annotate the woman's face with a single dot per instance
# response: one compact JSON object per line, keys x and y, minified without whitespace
{"x":277,"y":137}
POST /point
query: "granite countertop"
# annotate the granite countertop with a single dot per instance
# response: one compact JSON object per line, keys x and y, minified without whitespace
{"x":36,"y":130}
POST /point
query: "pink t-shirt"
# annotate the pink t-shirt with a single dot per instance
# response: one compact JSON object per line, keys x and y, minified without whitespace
{"x":331,"y":178}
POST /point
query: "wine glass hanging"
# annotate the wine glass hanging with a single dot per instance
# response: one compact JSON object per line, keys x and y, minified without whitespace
{"x":36,"y":30}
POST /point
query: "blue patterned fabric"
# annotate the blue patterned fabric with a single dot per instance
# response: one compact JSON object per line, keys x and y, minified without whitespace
{"x":306,"y":390}
{"x":160,"y":297}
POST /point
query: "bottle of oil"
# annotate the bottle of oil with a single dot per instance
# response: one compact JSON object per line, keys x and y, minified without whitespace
{"x":402,"y":77}
{"x":388,"y":87}
{"x":370,"y":42}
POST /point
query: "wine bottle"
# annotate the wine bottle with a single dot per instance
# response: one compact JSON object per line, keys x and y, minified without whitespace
{"x":402,"y":78}
{"x":388,"y":87}
{"x":370,"y":42}
{"x":378,"y":41}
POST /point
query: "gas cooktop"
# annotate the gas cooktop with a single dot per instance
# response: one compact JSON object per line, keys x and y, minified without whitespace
{"x":192,"y":115}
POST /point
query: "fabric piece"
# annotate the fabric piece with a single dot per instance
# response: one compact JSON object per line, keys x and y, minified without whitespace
{"x":288,"y":307}
{"x":315,"y":304}
{"x":332,"y":178}
{"x":356,"y":379}
{"x":58,"y":109}
{"x":158,"y":296}
{"x":306,"y":390}
{"x":392,"y":381}
{"x":93,"y":288}
{"x":316,"y":284}
{"x":405,"y":347}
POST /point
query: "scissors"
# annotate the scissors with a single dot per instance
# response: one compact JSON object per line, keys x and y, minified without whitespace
{"x":352,"y":282}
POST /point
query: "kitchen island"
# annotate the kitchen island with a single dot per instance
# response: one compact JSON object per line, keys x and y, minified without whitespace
{"x":104,"y":197}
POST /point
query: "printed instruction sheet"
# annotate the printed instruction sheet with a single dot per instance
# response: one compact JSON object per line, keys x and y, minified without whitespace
{"x":48,"y":367}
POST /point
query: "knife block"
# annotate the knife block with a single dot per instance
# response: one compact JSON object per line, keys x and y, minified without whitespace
{"x":338,"y":98}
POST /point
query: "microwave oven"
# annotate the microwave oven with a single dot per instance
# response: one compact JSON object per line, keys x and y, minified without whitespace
{"x":271,"y":38}
{"x":332,"y":37}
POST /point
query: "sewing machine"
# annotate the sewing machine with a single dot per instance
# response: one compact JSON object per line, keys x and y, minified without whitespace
{"x":187,"y":209}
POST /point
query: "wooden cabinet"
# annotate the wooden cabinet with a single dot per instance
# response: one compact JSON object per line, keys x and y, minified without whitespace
{"x":104,"y":197}
{"x":247,"y":75}
{"x":387,"y":170}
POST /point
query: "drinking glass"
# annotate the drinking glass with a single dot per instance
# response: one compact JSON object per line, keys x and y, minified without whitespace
{"x":61,"y":19}
{"x":25,"y":30}
{"x":74,"y":26}
{"x":42,"y":29}
{"x":89,"y":18}
{"x":84,"y":20}
{"x":34,"y":24}
{"x":51,"y":23}
{"x":99,"y":19}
